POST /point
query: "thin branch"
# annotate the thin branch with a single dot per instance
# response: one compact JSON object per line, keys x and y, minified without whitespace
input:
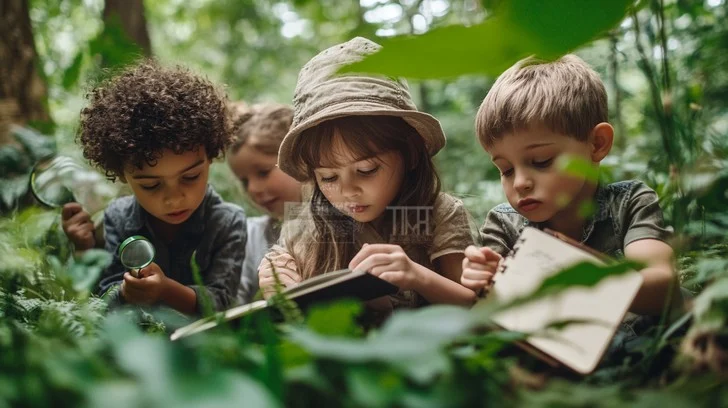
{"x":617,"y":104}
{"x":646,"y":67}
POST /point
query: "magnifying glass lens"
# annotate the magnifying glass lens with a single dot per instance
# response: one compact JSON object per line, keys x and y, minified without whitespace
{"x":135,"y":253}
{"x":50,"y":181}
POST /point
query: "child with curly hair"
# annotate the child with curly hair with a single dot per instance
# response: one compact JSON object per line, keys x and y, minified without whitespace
{"x":158,"y":129}
{"x":260,"y":129}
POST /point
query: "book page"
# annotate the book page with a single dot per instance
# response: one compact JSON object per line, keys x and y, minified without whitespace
{"x":580,"y":345}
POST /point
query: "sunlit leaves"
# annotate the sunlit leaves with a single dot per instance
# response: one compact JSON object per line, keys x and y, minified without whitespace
{"x":517,"y":29}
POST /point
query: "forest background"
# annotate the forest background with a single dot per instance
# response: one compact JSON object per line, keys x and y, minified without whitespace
{"x":665,"y":65}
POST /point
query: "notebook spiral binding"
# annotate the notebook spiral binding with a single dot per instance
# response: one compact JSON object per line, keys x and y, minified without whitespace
{"x":503,"y":265}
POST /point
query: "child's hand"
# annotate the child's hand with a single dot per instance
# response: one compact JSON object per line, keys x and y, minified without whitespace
{"x":479,"y":266}
{"x":77,"y":226}
{"x":286,"y":269}
{"x":388,"y":262}
{"x":147,"y":289}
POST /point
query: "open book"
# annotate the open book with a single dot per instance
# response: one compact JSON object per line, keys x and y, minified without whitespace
{"x":598,"y":310}
{"x":334,"y":285}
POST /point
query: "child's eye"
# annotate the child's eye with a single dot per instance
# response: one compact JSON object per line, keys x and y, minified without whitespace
{"x":149,"y":188}
{"x":543,"y":163}
{"x":191,"y":178}
{"x":263,"y":173}
{"x":328,"y":179}
{"x":368,"y":172}
{"x":507,"y":173}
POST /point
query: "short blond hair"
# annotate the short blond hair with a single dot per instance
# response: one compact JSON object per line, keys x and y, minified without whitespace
{"x":567,"y":96}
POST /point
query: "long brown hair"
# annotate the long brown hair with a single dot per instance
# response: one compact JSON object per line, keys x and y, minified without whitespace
{"x":323,"y":243}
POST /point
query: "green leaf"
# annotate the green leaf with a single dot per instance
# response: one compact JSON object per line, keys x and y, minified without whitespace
{"x":166,"y":374}
{"x":37,"y":145}
{"x":73,"y":72}
{"x":519,"y":28}
{"x":372,"y":387}
{"x":412,"y":341}
{"x":13,"y":160}
{"x":11,"y":191}
{"x":583,"y":274}
{"x":114,"y":45}
{"x":579,"y":167}
{"x":712,"y":303}
{"x":708,"y":269}
{"x":85,"y":271}
{"x":337,"y":319}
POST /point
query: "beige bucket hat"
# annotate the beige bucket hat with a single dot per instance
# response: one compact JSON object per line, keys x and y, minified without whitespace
{"x":323,"y":95}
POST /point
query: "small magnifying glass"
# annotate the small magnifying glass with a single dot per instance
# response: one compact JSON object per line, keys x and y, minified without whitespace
{"x":50,"y":181}
{"x":135,"y":253}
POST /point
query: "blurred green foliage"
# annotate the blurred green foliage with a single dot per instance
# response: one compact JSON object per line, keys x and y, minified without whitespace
{"x":664,"y":67}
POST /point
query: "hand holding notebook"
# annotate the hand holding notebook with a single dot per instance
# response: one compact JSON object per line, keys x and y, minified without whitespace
{"x":599,"y":309}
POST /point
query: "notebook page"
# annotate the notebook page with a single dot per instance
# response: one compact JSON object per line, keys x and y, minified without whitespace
{"x":579,"y":346}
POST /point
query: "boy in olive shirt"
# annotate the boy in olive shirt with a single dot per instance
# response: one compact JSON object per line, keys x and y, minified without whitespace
{"x":536,"y":115}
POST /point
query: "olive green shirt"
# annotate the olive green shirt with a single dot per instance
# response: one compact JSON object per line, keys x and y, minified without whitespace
{"x":625,"y":212}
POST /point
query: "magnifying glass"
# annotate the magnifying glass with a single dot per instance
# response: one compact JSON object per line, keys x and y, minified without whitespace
{"x":50,"y":181}
{"x":135,"y":253}
{"x":59,"y":180}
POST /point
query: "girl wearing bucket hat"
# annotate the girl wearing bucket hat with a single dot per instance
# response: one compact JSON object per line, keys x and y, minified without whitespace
{"x":376,"y":202}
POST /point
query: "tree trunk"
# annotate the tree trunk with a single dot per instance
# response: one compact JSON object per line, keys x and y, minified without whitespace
{"x":23,"y":92}
{"x":132,"y":19}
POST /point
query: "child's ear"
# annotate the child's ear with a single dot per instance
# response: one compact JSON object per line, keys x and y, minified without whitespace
{"x":600,"y":140}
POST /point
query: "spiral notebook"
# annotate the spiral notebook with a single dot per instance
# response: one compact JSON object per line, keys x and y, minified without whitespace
{"x":598,"y":310}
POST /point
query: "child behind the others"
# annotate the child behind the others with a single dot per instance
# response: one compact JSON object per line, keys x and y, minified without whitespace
{"x":537,"y":116}
{"x":158,"y":129}
{"x":252,"y":158}
{"x":376,"y":202}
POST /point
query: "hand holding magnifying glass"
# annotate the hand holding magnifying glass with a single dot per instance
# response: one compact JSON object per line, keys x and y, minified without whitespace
{"x":59,"y":181}
{"x":136,"y":253}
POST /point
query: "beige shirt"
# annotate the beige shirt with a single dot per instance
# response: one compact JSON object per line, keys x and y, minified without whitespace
{"x":425,"y":234}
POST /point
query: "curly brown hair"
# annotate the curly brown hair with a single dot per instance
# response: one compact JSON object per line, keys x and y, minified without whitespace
{"x":146,"y":109}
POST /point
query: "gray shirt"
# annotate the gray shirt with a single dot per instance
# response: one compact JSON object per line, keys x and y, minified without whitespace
{"x":215,"y":234}
{"x":626,"y":211}
{"x":263,"y":232}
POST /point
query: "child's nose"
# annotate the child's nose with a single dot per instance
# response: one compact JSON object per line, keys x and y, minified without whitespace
{"x":174,"y":198}
{"x":523,"y":183}
{"x":254,"y":187}
{"x":350,"y":190}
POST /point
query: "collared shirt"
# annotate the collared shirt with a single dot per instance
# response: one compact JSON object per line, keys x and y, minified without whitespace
{"x":263,"y":232}
{"x":215,"y":234}
{"x":626,"y":211}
